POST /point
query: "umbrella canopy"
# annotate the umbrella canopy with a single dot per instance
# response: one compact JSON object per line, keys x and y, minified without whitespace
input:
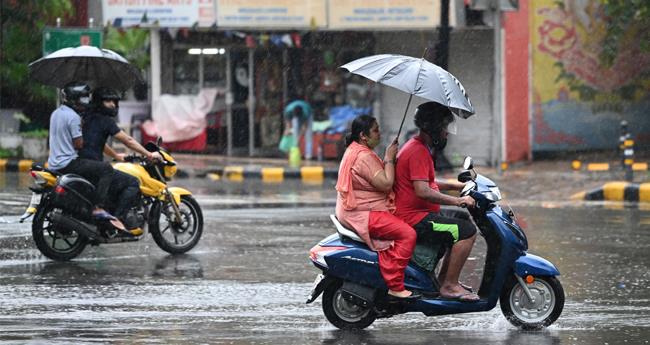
{"x":95,"y":66}
{"x":415,"y":76}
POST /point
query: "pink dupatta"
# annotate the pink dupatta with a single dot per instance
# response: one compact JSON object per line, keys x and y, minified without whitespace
{"x":344,"y":186}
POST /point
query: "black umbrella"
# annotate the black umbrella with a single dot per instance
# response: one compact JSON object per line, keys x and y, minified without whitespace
{"x":95,"y":66}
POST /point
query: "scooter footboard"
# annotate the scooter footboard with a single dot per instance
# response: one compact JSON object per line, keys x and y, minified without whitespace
{"x":534,"y":265}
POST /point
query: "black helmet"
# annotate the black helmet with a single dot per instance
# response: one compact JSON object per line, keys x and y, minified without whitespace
{"x":431,"y":118}
{"x":76,"y":95}
{"x":102,"y":94}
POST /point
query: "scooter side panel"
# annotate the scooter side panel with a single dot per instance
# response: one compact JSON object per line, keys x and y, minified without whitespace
{"x":357,"y":265}
{"x":535,"y":265}
{"x":361,"y":265}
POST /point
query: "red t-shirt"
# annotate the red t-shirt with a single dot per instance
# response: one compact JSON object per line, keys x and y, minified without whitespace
{"x":414,"y":163}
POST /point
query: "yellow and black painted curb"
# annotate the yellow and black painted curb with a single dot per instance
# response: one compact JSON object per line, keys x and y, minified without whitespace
{"x":578,"y":165}
{"x":309,"y":174}
{"x":617,"y":191}
{"x":15,"y":165}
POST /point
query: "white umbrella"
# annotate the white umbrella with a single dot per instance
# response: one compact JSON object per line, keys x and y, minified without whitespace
{"x":415,"y":76}
{"x":96,"y":66}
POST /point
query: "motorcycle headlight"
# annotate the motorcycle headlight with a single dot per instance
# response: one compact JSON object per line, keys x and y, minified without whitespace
{"x":170,"y":169}
{"x":493,"y":195}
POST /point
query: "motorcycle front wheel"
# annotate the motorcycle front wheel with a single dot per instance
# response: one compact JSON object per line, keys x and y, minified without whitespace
{"x":344,"y":314}
{"x":546,"y":307}
{"x":177,"y":237}
{"x":54,"y":241}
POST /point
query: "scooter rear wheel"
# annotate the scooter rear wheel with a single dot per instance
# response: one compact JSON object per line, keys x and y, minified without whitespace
{"x":547,"y":306}
{"x":344,"y":314}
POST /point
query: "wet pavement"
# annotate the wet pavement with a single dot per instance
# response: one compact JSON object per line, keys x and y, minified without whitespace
{"x":246,"y":282}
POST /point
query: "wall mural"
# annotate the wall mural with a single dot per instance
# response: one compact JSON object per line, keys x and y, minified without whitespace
{"x":578,"y":97}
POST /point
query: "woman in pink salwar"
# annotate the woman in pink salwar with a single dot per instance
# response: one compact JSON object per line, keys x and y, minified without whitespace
{"x":365,"y":203}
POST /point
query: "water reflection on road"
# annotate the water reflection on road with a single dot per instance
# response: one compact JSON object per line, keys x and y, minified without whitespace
{"x":247,"y":280}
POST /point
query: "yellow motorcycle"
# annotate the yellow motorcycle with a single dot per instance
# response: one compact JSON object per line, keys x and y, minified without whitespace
{"x":62,"y":208}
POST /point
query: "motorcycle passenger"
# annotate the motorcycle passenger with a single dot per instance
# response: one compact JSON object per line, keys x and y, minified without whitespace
{"x":365,"y":203}
{"x":418,"y":199}
{"x":98,"y":125}
{"x":66,"y":139}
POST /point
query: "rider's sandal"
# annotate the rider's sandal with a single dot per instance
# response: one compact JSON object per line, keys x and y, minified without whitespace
{"x":466,"y":287}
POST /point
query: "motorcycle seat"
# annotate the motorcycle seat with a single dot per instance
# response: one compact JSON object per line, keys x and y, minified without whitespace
{"x":345,"y":232}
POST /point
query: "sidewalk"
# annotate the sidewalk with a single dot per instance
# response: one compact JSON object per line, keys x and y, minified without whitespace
{"x":544,"y":180}
{"x":239,"y":168}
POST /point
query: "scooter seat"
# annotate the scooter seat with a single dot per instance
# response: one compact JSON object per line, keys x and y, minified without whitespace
{"x":343,"y":231}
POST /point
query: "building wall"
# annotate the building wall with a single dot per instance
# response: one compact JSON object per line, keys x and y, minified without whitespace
{"x":577,"y":100}
{"x":471,"y":60}
{"x":517,"y":85}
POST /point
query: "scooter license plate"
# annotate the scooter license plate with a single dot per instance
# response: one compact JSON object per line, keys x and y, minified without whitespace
{"x":314,"y":287}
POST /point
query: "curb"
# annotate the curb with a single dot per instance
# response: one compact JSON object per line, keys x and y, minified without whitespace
{"x":20,"y":165}
{"x":617,"y":191}
{"x":596,"y":167}
{"x":310,"y":174}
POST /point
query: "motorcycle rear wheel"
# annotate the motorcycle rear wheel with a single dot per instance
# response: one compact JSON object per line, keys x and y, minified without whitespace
{"x":53,"y":241}
{"x":521,"y":312}
{"x":343,"y":314}
{"x":177,"y":238}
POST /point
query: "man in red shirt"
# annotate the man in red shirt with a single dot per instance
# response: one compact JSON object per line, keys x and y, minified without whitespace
{"x":418,"y":199}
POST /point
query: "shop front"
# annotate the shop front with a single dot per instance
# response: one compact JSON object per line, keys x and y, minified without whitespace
{"x":264,"y":56}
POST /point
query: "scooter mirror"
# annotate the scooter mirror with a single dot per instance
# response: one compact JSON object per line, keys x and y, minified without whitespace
{"x":465,"y":176}
{"x":159,"y":141}
{"x":468,"y":163}
{"x":468,"y":187}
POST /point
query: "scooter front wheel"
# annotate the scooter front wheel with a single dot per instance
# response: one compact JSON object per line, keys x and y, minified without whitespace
{"x":344,"y":314}
{"x":542,"y":311}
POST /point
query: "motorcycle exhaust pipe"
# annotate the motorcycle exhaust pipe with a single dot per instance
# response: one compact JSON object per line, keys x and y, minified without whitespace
{"x":78,"y":226}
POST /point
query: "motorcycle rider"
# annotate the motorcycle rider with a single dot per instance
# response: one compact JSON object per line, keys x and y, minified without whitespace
{"x":66,"y":139}
{"x":418,"y":199}
{"x":98,"y":125}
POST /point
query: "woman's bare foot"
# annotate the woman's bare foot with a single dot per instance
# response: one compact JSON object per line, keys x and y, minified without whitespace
{"x":400,"y":294}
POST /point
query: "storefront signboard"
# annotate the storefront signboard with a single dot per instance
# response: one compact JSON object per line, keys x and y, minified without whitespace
{"x":166,"y":13}
{"x":385,"y":14}
{"x":281,"y":14}
{"x":58,"y":38}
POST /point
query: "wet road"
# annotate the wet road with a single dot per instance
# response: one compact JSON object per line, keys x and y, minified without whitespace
{"x":246,"y":282}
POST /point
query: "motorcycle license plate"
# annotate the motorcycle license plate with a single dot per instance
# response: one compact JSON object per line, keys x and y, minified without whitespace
{"x":314,"y":287}
{"x":36,"y":199}
{"x":31,"y":208}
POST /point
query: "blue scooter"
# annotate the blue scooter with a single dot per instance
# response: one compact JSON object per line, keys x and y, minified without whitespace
{"x":354,"y":293}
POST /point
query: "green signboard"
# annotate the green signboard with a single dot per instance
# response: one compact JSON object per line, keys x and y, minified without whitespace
{"x":57,"y":38}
